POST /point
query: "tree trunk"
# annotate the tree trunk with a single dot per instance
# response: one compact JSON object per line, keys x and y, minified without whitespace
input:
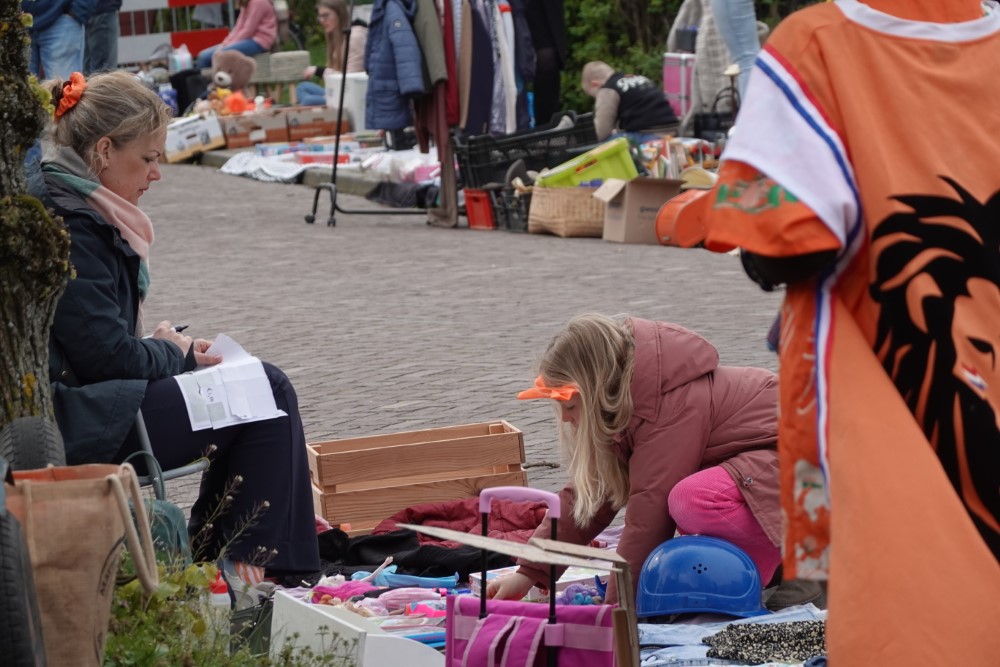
{"x":34,"y":246}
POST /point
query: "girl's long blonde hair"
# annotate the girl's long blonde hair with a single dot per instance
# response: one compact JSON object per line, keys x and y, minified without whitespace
{"x":595,"y":353}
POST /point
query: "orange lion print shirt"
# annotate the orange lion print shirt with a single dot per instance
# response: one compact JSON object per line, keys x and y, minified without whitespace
{"x":836,"y":149}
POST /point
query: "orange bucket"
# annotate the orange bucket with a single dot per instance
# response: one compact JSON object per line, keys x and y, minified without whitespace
{"x":671,"y":230}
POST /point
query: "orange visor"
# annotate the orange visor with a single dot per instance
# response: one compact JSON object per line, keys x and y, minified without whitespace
{"x":563,"y":393}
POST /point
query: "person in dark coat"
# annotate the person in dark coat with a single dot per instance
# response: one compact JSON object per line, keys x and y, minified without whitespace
{"x":394,"y":64}
{"x":106,"y":139}
{"x":627,"y":102}
{"x":547,"y":23}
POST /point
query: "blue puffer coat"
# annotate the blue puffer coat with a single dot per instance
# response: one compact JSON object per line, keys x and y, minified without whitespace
{"x":394,"y":64}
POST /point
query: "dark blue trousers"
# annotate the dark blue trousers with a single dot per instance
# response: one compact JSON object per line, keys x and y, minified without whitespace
{"x":269,"y":455}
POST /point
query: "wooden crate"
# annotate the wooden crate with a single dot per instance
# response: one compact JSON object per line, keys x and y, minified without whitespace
{"x":362,"y":481}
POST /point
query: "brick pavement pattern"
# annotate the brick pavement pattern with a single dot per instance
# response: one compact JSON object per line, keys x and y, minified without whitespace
{"x":386,"y":324}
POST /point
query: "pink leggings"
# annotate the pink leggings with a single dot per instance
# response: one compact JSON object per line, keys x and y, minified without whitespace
{"x":710,"y":503}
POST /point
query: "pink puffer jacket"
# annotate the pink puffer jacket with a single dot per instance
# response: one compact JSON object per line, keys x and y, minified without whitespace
{"x":689,"y":413}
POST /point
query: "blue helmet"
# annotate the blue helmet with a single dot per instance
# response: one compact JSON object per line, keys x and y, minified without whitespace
{"x":696,"y":573}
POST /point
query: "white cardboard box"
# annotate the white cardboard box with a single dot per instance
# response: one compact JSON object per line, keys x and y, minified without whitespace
{"x":327,"y":629}
{"x":630,"y":214}
{"x":189,"y":136}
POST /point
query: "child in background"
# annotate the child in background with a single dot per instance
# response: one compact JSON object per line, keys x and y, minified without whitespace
{"x":652,"y":421}
{"x":627,"y":102}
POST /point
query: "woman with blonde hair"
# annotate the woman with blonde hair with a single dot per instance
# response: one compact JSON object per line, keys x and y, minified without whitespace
{"x":334,"y":18}
{"x":101,"y":155}
{"x":651,"y":421}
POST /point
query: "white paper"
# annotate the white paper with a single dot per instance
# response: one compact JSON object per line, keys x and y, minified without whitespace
{"x":235,"y":391}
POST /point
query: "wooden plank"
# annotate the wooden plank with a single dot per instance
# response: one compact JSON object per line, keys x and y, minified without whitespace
{"x":409,"y":437}
{"x":390,"y":482}
{"x":441,"y":456}
{"x":509,"y":548}
{"x":374,"y":505}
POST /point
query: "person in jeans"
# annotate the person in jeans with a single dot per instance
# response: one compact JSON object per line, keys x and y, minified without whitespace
{"x":102,"y":154}
{"x":57,"y":36}
{"x":650,"y":420}
{"x":255,"y":31}
{"x":100,"y":52}
{"x":737,"y":23}
{"x":333,"y":16}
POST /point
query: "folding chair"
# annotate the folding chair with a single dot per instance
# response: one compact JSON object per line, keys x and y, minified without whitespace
{"x":156,"y":476}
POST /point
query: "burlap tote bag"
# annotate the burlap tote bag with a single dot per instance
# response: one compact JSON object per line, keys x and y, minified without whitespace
{"x":76,"y":520}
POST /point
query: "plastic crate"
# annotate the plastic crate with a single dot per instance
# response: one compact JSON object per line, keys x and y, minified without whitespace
{"x":515,"y":210}
{"x":485,"y":159}
{"x":609,"y":160}
{"x":479,"y":209}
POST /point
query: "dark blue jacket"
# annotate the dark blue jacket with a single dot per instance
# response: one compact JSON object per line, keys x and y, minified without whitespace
{"x":105,"y":6}
{"x":46,"y":12}
{"x":98,"y":366}
{"x":394,"y":64}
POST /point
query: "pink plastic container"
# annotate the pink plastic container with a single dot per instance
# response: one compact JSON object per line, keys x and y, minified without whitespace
{"x":677,"y":71}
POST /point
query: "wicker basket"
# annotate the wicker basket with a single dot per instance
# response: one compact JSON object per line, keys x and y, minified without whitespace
{"x":566,"y":212}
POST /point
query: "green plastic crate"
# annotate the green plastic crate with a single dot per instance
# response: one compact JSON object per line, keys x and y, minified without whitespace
{"x":609,"y":160}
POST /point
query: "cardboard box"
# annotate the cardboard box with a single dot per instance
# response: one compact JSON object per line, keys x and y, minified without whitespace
{"x":305,"y":122}
{"x":572,"y":575}
{"x":187,"y":137}
{"x":630,"y":215}
{"x":255,"y":127}
{"x":537,"y":550}
{"x":362,"y":481}
{"x":354,"y":639}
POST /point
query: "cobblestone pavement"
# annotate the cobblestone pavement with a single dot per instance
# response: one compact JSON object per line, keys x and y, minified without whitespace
{"x":385,"y":324}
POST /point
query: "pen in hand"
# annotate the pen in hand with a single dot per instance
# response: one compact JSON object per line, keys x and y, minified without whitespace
{"x":176,"y":328}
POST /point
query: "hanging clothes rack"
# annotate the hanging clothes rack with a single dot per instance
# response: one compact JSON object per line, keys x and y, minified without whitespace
{"x":331,"y":186}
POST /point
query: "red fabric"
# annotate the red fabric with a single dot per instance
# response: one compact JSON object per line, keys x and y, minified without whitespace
{"x":508,"y":520}
{"x":451,"y":85}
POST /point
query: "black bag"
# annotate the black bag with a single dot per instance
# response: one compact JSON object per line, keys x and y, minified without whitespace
{"x":190,"y":85}
{"x":712,"y":124}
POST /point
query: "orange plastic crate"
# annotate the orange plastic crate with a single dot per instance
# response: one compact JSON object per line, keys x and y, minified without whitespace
{"x":479,"y":209}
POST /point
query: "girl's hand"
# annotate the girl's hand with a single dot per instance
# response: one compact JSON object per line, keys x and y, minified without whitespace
{"x":309,"y":72}
{"x":202,"y":359}
{"x":511,"y":587}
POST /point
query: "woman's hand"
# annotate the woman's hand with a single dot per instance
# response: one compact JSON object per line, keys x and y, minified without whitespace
{"x":165,"y":331}
{"x":510,"y":587}
{"x":309,"y":72}
{"x":202,"y":359}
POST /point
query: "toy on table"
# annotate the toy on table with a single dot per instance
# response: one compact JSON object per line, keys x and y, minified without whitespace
{"x":231,"y":74}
